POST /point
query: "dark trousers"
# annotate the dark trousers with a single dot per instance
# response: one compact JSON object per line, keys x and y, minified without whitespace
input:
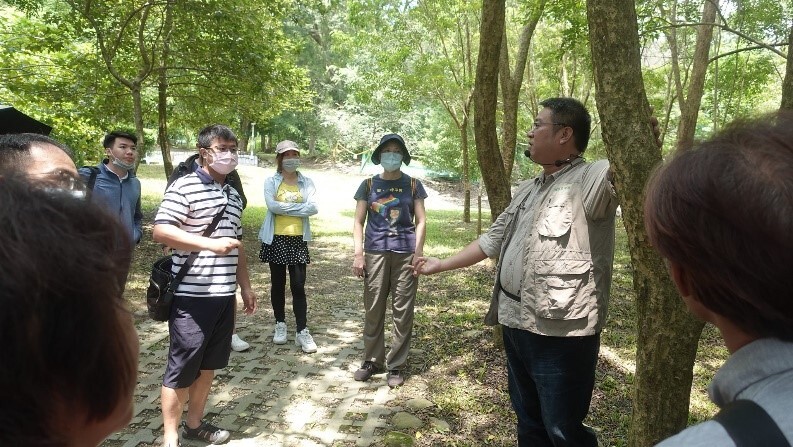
{"x":297,"y":283}
{"x":550,"y":384}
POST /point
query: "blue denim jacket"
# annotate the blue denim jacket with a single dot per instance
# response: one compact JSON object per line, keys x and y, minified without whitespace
{"x":307,"y":208}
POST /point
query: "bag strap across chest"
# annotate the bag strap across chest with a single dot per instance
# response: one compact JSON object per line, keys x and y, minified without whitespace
{"x":748,"y":424}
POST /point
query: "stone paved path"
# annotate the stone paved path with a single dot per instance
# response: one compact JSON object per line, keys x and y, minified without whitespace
{"x":274,"y":395}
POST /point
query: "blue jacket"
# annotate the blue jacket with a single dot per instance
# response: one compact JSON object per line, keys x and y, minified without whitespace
{"x":120,"y":198}
{"x":307,"y":208}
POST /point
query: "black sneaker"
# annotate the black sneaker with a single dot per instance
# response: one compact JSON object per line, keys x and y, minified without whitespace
{"x":366,"y":371}
{"x":205,"y":432}
{"x":395,"y":378}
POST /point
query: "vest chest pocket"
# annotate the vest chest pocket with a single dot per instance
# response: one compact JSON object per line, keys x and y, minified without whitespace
{"x":556,"y":215}
{"x":565,"y":289}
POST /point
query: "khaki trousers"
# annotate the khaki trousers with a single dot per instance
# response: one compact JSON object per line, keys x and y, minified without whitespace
{"x":388,"y":273}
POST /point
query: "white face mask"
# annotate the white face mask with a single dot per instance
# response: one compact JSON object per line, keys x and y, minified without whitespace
{"x":391,"y":161}
{"x":290,"y":164}
{"x":223,"y":162}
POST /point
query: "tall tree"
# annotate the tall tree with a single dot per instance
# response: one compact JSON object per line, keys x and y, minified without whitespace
{"x":787,"y":83}
{"x":162,"y":90}
{"x":125,"y":32}
{"x":667,"y":334}
{"x":691,"y":101}
{"x":511,"y":83}
{"x":485,"y":105}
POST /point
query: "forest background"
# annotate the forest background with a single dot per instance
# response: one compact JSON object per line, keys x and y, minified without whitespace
{"x":460,"y":80}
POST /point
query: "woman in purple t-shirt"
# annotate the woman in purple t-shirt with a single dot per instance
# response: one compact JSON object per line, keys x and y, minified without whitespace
{"x":392,"y":206}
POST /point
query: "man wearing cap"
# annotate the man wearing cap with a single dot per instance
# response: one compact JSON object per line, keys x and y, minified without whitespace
{"x":392,"y":206}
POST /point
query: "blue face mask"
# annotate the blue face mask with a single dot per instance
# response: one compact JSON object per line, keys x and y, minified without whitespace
{"x":391,"y":161}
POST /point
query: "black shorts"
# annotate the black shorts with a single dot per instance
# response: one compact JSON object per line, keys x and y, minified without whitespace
{"x":200,"y":330}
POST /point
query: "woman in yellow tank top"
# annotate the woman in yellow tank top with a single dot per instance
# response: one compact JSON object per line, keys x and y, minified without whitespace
{"x":290,"y":198}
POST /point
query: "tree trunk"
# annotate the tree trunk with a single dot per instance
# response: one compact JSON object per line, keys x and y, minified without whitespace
{"x":485,"y":102}
{"x":245,"y":135}
{"x":137,"y":116}
{"x":689,"y":113}
{"x":312,"y":144}
{"x":787,"y":84}
{"x":511,"y":82}
{"x":162,"y":93}
{"x":667,"y":334}
{"x":162,"y":121}
{"x":466,"y":169}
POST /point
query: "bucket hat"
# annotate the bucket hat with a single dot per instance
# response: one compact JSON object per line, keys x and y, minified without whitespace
{"x":391,"y":137}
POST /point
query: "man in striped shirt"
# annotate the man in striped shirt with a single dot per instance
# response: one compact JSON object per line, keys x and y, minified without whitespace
{"x":202,"y":317}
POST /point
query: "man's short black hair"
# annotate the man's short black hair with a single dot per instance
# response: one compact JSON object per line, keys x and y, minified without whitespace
{"x":110,"y":138}
{"x":573,"y":114}
{"x":215,"y":131}
{"x":15,"y":148}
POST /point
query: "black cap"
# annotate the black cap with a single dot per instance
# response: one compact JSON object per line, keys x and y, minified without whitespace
{"x":386,"y":138}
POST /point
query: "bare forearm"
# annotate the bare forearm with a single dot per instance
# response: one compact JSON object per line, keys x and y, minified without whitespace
{"x":243,"y":277}
{"x":468,"y":256}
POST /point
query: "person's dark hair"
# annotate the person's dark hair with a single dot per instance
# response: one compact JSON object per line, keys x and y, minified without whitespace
{"x":15,"y":148}
{"x":110,"y":138}
{"x":723,"y":211}
{"x":66,"y":345}
{"x":573,"y":114}
{"x":215,"y":131}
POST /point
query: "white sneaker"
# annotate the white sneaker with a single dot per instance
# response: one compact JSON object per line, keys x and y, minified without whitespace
{"x":279,"y":337}
{"x":239,"y":344}
{"x":305,"y":341}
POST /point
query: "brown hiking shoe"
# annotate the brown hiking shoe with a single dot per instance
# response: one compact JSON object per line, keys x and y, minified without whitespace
{"x":366,"y":371}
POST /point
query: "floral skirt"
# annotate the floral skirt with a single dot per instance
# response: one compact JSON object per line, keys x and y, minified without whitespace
{"x":285,"y":250}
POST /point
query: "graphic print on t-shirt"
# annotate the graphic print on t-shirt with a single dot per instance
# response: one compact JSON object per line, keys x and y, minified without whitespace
{"x":382,"y":204}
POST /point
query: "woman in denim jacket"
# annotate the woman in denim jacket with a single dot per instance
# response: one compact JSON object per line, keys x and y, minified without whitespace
{"x":291,"y":199}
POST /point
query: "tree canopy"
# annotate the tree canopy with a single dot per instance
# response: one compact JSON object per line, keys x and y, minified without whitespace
{"x":460,"y":80}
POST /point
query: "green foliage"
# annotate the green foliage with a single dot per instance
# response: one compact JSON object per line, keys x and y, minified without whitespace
{"x":342,"y":73}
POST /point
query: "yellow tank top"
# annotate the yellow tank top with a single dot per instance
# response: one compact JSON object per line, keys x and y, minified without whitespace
{"x":288,"y":225}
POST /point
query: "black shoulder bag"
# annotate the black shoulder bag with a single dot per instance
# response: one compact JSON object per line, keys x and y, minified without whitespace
{"x":159,"y":296}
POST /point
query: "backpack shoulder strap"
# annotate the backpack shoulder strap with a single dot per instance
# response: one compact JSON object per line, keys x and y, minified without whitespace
{"x":91,"y":179}
{"x":748,"y":424}
{"x":412,"y":187}
{"x":369,"y":186}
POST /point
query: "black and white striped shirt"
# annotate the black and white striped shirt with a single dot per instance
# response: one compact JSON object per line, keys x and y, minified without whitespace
{"x":191,"y":203}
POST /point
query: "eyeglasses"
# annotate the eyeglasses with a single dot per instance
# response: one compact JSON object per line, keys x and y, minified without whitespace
{"x":61,"y":180}
{"x":233,"y":149}
{"x":537,"y":124}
